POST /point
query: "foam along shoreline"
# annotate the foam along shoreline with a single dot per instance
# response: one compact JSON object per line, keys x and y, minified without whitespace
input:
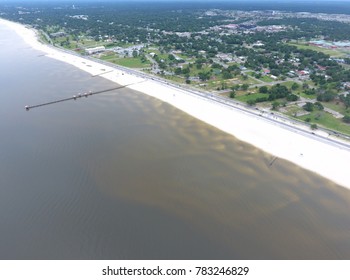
{"x":323,"y":158}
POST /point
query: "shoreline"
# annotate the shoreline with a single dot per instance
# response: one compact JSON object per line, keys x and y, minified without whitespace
{"x":287,"y":141}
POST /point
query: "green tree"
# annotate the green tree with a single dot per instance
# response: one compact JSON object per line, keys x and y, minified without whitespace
{"x":275,"y":105}
{"x":310,"y":91}
{"x":204,"y":76}
{"x":319,"y":105}
{"x":223,"y":85}
{"x":326,"y":96}
{"x":178,"y":71}
{"x":292,"y":97}
{"x":347,"y":101}
{"x":186,"y":71}
{"x":143,"y":59}
{"x":263,"y":89}
{"x":251,"y":102}
{"x":226,"y":75}
{"x":244,"y":87}
{"x":305,"y":86}
{"x":346,"y":118}
{"x":295,"y":86}
{"x":308,"y":107}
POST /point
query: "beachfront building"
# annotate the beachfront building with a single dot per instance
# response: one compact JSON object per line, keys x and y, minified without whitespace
{"x":95,"y":50}
{"x":58,"y":34}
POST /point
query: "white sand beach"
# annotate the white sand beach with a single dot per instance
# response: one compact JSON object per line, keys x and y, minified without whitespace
{"x":302,"y":148}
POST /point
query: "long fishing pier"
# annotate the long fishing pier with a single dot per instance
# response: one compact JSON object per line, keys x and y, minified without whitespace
{"x":75,"y":97}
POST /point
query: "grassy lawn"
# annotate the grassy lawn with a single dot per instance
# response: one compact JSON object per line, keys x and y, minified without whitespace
{"x":245,"y":97}
{"x":213,"y":85}
{"x":337,"y":107}
{"x":217,"y":84}
{"x":87,"y":42}
{"x":117,"y":44}
{"x":43,"y":38}
{"x":184,"y":57}
{"x":266,"y":79}
{"x":72,"y":46}
{"x":194,"y":71}
{"x":305,"y":46}
{"x":313,"y":96}
{"x":62,"y":41}
{"x":124,"y":45}
{"x":109,"y":57}
{"x":250,"y":73}
{"x":328,"y":121}
{"x":292,"y":110}
{"x":59,"y":40}
{"x":163,"y":56}
{"x":249,"y":81}
{"x":289,"y":84}
{"x":132,"y":62}
{"x":175,"y":78}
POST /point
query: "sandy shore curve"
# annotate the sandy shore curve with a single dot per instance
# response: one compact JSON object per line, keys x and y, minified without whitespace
{"x":297,"y":145}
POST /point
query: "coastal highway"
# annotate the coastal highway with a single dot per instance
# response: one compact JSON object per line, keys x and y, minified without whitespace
{"x":269,"y":116}
{"x":274,"y":119}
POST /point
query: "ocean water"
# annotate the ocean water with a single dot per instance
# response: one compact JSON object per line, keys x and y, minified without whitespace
{"x":121,"y":175}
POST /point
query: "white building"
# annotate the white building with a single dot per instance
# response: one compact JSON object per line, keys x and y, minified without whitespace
{"x":95,"y":50}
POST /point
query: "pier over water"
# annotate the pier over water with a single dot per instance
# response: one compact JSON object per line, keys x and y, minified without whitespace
{"x":79,"y":95}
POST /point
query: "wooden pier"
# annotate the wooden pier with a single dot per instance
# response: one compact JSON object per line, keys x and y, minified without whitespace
{"x":273,"y":161}
{"x":78,"y":96}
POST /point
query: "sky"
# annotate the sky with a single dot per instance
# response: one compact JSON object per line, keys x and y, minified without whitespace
{"x":212,"y":1}
{"x":260,"y":1}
